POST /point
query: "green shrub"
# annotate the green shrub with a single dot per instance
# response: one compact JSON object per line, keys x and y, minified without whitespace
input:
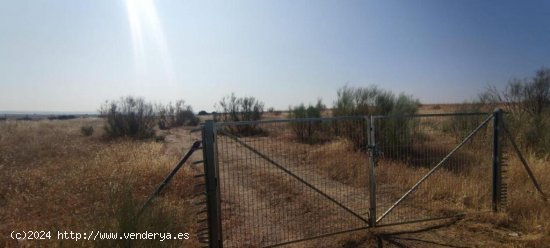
{"x":307,"y":131}
{"x":374,"y":101}
{"x":398,"y":133}
{"x":129,"y":117}
{"x":87,"y":130}
{"x":234,"y":109}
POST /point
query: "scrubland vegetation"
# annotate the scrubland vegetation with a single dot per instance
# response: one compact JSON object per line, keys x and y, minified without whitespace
{"x":528,"y":103}
{"x":308,"y":131}
{"x":92,"y":174}
{"x":135,"y":118}
{"x":234,"y":109}
{"x":60,"y":180}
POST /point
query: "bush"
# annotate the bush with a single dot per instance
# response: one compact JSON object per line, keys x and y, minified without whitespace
{"x":87,"y":130}
{"x":174,"y":116}
{"x":374,"y":101}
{"x":184,"y":115}
{"x":233,"y":109}
{"x":528,"y":102}
{"x":165,"y":116}
{"x":202,"y":112}
{"x":307,"y":131}
{"x":129,"y":117}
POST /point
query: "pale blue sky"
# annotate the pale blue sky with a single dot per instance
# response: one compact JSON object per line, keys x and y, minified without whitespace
{"x":71,"y":55}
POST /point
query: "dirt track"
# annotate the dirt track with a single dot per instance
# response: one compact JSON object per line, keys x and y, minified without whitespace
{"x":273,"y":206}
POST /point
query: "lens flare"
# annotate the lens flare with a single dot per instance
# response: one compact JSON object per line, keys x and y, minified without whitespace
{"x":147,"y":36}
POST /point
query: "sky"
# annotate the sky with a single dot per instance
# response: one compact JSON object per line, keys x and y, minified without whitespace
{"x":67,"y":55}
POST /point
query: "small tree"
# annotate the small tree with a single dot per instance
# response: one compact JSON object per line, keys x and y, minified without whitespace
{"x":528,"y":101}
{"x":234,"y":109}
{"x":128,"y":117}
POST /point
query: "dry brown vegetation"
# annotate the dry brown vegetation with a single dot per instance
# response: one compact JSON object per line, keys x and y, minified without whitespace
{"x":451,"y":190}
{"x":54,"y":178}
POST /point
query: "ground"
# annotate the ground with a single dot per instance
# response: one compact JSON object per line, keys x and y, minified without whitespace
{"x":57,"y":179}
{"x":473,"y":230}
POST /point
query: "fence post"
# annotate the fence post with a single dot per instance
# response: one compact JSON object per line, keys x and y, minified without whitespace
{"x":372,"y":175}
{"x":497,"y":158}
{"x":212,"y":185}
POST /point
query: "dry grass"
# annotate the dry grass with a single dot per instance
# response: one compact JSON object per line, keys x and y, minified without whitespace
{"x":355,"y":164}
{"x":525,"y":207}
{"x":452,"y":191}
{"x":57,"y":179}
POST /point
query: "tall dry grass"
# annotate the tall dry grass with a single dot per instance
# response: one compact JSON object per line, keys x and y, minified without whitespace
{"x":525,"y":206}
{"x":54,"y":178}
{"x":450,"y":190}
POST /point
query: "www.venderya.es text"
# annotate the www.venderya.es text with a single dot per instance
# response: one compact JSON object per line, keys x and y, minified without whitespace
{"x":96,"y":235}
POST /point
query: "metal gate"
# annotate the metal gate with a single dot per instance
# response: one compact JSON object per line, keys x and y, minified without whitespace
{"x":276,"y":182}
{"x":434,"y":166}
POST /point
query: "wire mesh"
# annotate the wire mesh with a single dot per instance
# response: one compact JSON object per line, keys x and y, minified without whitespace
{"x":289,"y":180}
{"x":412,"y":146}
{"x":292,"y":180}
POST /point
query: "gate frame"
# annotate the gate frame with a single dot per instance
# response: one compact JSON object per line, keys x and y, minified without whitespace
{"x":496,"y":164}
{"x":211,"y":169}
